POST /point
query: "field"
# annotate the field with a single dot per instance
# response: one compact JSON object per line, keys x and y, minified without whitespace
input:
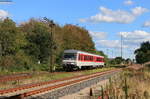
{"x":130,"y":84}
{"x":46,"y":76}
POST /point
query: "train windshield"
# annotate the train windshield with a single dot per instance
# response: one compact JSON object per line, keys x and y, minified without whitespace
{"x":69,"y":56}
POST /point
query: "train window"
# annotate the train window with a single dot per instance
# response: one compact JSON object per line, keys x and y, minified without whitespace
{"x":91,"y":58}
{"x":98,"y":59}
{"x":85,"y":57}
{"x":69,"y":56}
{"x":88,"y":58}
{"x":79,"y":58}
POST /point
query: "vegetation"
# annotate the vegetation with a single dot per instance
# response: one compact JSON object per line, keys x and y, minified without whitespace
{"x":117,"y":60}
{"x":143,"y":53}
{"x":27,"y":46}
{"x":120,"y":62}
{"x":130,"y":84}
{"x":45,"y":76}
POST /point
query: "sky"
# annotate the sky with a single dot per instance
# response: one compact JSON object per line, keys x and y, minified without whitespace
{"x":106,"y":20}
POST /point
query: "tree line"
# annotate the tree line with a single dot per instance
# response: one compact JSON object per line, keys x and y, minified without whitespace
{"x":27,"y":46}
{"x":142,"y":54}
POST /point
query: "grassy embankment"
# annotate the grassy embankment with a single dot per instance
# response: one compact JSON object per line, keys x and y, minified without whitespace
{"x":50,"y":76}
{"x":130,"y":84}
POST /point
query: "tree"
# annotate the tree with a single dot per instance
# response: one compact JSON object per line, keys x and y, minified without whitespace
{"x":128,"y":61}
{"x":117,"y":60}
{"x":30,"y":42}
{"x":142,"y":54}
{"x":38,"y":37}
{"x":12,"y":39}
{"x":77,"y":38}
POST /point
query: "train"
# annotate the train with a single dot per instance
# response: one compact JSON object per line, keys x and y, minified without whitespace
{"x":75,"y":60}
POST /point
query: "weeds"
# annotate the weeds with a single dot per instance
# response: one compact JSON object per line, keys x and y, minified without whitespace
{"x":47,"y":77}
{"x":129,"y":85}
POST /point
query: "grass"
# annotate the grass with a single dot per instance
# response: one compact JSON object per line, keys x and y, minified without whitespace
{"x":129,"y":84}
{"x":50,"y":76}
{"x":97,"y":70}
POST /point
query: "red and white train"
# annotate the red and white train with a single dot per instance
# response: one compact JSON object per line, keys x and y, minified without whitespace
{"x":74,"y":59}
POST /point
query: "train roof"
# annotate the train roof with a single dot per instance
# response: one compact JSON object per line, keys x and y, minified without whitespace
{"x":77,"y":51}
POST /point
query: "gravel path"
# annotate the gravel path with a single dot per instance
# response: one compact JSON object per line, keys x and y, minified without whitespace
{"x":85,"y":93}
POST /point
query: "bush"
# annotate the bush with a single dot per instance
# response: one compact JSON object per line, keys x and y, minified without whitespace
{"x":7,"y":61}
{"x":23,"y":60}
{"x":19,"y":62}
{"x":148,"y":65}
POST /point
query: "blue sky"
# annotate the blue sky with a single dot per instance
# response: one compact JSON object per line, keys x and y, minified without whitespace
{"x":106,"y":20}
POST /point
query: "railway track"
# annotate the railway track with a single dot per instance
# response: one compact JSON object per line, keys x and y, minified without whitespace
{"x":14,"y":77}
{"x":22,"y":76}
{"x":37,"y":88}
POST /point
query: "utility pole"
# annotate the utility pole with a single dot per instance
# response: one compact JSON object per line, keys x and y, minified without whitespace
{"x":112,"y":54}
{"x":122,"y":48}
{"x":51,"y":25}
{"x":107,"y":52}
{"x":121,"y":45}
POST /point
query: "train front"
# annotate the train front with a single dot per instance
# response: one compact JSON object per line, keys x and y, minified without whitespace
{"x":69,"y":61}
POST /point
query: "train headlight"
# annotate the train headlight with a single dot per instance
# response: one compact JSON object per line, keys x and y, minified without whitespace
{"x":71,"y":63}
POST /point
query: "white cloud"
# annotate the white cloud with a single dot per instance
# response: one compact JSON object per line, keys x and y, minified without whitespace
{"x":128,"y":2}
{"x":3,"y":14}
{"x":98,"y":35}
{"x":130,"y":39}
{"x":110,"y":43}
{"x":139,"y":10}
{"x":134,"y":38}
{"x":118,"y":16}
{"x":137,"y":34}
{"x":6,"y":2}
{"x":147,"y":24}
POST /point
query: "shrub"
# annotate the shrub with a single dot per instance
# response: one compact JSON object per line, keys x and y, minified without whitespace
{"x":7,"y":61}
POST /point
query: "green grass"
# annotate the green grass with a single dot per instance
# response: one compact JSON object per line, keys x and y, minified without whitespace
{"x":97,"y":70}
{"x":50,"y":76}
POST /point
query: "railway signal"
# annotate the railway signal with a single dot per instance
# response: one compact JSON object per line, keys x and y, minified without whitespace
{"x":52,"y":45}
